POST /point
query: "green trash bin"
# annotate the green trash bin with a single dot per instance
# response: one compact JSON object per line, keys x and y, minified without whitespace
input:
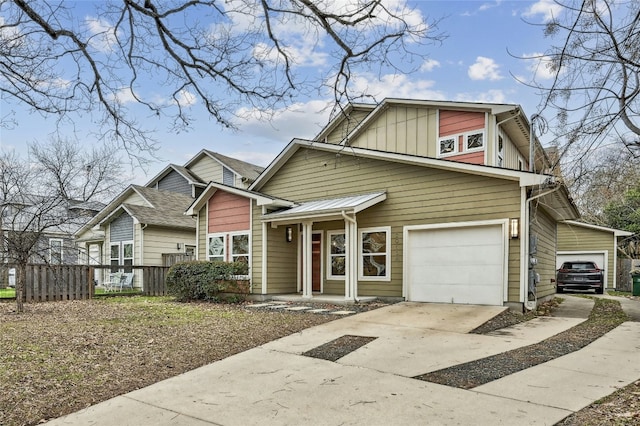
{"x":636,"y":284}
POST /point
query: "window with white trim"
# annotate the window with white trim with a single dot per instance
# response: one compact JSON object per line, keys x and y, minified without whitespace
{"x":55,"y":251}
{"x":375,"y":254}
{"x":337,"y":255}
{"x":239,"y":248}
{"x":127,"y":256}
{"x":121,"y":253}
{"x":216,"y":245}
{"x":474,"y":141}
{"x":448,"y":145}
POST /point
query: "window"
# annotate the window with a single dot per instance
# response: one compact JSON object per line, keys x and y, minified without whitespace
{"x":500,"y":151}
{"x":55,"y":251}
{"x":474,"y":141}
{"x":216,"y":249}
{"x":121,"y":254}
{"x":228,"y":177}
{"x":375,"y":259}
{"x":240,"y":248}
{"x":337,"y":253}
{"x":448,"y":146}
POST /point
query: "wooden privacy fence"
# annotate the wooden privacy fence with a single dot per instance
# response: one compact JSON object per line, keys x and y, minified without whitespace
{"x":77,"y":282}
{"x":59,"y":282}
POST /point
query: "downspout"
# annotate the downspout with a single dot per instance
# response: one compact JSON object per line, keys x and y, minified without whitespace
{"x":143,"y":226}
{"x":528,"y":243}
{"x":350,"y":251}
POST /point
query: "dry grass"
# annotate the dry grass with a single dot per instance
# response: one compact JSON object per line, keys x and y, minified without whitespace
{"x":60,"y":357}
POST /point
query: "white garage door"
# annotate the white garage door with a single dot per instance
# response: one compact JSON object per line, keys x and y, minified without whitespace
{"x":456,"y":265}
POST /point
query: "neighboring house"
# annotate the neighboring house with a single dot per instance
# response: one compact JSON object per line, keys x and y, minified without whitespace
{"x":144,"y":224}
{"x":583,"y":241}
{"x":42,"y":227}
{"x":420,"y":200}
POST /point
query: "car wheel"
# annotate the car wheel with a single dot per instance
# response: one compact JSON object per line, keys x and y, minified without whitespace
{"x":600,"y":290}
{"x":559,"y":290}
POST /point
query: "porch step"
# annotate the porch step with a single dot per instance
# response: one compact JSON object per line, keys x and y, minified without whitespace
{"x":320,"y":298}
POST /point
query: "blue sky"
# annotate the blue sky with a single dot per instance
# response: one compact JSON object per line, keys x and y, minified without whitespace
{"x":478,"y":61}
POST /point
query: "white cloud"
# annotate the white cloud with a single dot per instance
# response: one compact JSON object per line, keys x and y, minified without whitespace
{"x":549,"y":9}
{"x":301,"y":120}
{"x":123,"y":96}
{"x":184,"y":98}
{"x":103,"y":34}
{"x":487,"y":6}
{"x":540,"y":66}
{"x":429,"y":65}
{"x":484,"y":69}
{"x":395,"y":86}
{"x":490,"y":96}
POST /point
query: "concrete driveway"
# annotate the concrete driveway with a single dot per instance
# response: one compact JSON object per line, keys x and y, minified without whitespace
{"x":275,"y":385}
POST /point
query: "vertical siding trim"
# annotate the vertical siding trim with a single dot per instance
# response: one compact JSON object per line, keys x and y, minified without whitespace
{"x":524,"y":244}
{"x":264,"y":253}
{"x":487,"y":138}
{"x":614,"y":253}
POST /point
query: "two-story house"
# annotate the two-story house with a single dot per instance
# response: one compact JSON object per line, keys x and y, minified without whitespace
{"x":420,"y":200}
{"x":143,"y":223}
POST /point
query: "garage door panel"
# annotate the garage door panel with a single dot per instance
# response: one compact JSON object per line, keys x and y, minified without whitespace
{"x":456,"y":265}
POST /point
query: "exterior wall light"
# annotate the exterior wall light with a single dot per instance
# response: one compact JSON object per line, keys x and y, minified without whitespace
{"x":289,"y":234}
{"x":514,"y":228}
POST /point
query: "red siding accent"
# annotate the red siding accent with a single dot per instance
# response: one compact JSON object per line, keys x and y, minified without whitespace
{"x":476,"y":157}
{"x":228,"y":212}
{"x":452,"y":122}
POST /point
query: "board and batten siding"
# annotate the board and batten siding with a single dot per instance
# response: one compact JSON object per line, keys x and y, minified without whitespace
{"x":544,"y":227}
{"x":346,"y":126}
{"x":578,"y":238}
{"x":406,"y":130}
{"x":415,"y":195}
{"x":164,"y":240}
{"x":174,"y":182}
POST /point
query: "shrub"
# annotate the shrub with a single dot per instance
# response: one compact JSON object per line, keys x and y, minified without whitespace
{"x":203,"y":280}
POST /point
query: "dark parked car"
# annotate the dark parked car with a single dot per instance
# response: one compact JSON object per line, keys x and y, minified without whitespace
{"x":580,"y":275}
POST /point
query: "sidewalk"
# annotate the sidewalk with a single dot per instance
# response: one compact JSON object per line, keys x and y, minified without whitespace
{"x":275,"y":385}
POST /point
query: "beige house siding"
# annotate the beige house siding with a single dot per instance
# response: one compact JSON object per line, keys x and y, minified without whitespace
{"x":136,"y":199}
{"x":415,"y":195}
{"x":207,"y":168}
{"x":511,"y":156}
{"x":406,"y":130}
{"x":346,"y":126}
{"x":544,"y":227}
{"x":578,"y":238}
{"x":158,"y":241}
{"x":202,"y":234}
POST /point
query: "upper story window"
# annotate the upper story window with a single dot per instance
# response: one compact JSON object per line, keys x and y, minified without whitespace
{"x":55,"y":251}
{"x":461,"y":143}
{"x":228,"y":177}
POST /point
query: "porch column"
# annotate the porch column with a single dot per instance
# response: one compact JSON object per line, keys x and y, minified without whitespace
{"x":350,"y":257}
{"x":307,"y":272}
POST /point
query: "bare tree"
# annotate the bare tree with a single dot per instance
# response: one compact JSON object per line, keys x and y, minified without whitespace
{"x":596,"y":69}
{"x":60,"y":60}
{"x":50,"y":195}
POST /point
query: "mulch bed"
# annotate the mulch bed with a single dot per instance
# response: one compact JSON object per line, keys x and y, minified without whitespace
{"x":337,"y":348}
{"x":605,"y":316}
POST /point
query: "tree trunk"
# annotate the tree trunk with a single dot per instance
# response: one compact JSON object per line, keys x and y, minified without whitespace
{"x":21,"y":275}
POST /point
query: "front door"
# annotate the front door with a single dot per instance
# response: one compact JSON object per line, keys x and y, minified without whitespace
{"x":316,"y":261}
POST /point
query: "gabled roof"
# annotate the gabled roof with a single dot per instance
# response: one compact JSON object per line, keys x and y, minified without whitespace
{"x":189,"y":176}
{"x":166,"y":209}
{"x":261,"y":199}
{"x":326,"y":209}
{"x":336,"y":121}
{"x":510,"y":115}
{"x":246,"y":170}
{"x":524,"y":178}
{"x":615,"y":232}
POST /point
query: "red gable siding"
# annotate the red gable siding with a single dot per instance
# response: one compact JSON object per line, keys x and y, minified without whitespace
{"x":228,"y":212}
{"x":471,"y":158}
{"x":453,"y":122}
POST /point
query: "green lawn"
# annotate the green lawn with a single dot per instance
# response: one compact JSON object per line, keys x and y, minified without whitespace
{"x":7,"y":293}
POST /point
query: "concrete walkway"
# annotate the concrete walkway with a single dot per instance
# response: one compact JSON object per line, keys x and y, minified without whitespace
{"x":275,"y":385}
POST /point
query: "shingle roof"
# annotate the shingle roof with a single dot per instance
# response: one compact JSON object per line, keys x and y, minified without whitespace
{"x":244,"y":169}
{"x":167,"y":209}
